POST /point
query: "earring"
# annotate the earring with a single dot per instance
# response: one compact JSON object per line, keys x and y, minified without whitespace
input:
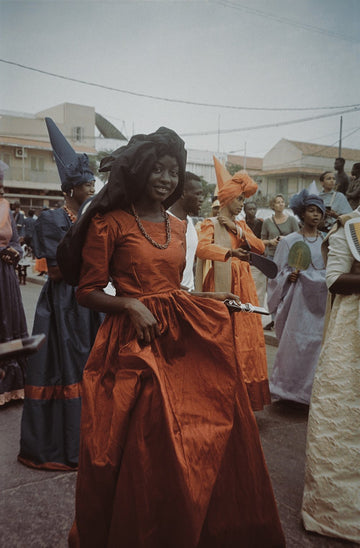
{"x":71,"y":193}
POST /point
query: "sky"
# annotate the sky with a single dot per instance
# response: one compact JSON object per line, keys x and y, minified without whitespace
{"x":251,"y":55}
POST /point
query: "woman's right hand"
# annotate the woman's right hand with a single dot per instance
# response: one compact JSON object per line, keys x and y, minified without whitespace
{"x":241,"y":254}
{"x":275,"y":241}
{"x":292,"y":278}
{"x":145,"y":324}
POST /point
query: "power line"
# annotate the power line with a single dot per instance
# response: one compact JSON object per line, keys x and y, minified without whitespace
{"x":265,"y":126}
{"x":286,"y":20}
{"x":168,"y":99}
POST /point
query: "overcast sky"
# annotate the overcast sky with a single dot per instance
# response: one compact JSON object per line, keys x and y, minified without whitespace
{"x":251,"y":53}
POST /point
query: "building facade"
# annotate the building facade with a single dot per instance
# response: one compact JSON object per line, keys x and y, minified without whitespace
{"x":33,"y":180}
{"x":291,"y":166}
{"x":32,"y":177}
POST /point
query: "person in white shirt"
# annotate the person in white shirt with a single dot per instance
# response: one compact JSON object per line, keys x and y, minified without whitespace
{"x":189,"y":205}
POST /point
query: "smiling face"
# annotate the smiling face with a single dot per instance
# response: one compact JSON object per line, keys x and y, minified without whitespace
{"x":312,"y":216}
{"x":84,"y":191}
{"x":163,"y":179}
{"x":236,"y":205}
{"x":328,"y":182}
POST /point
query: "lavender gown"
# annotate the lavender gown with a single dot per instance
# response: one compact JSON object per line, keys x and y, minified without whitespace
{"x":300,"y":311}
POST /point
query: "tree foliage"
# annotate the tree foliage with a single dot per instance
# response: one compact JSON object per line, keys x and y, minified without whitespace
{"x":233,"y":168}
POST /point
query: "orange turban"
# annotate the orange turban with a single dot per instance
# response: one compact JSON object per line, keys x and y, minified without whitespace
{"x":230,"y":187}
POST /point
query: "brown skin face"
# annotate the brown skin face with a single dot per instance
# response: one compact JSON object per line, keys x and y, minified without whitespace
{"x":83,"y":192}
{"x":250,"y":211}
{"x":193,"y":197}
{"x":236,"y":205}
{"x":312,"y":217}
{"x":338,"y":165}
{"x":162,"y":182}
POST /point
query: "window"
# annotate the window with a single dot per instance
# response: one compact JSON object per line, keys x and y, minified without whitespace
{"x":5,"y":157}
{"x":36,"y":163}
{"x":282,"y":186}
{"x":78,"y":133}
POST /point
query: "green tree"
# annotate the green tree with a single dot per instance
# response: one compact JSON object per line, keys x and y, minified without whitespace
{"x":233,"y":168}
{"x":208,"y":192}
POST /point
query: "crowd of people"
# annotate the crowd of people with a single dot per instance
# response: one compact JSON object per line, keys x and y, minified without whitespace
{"x":149,"y":390}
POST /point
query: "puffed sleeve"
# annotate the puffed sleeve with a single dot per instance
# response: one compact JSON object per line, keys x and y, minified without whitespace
{"x":206,"y":248}
{"x":256,"y":245}
{"x":340,"y":259}
{"x":96,"y":254}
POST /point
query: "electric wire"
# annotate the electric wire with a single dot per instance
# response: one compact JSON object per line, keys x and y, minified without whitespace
{"x":172,"y":100}
{"x":286,"y":20}
{"x":266,"y":126}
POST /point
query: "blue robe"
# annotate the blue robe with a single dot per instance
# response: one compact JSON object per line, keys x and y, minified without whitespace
{"x":51,"y":417}
{"x":300,"y":311}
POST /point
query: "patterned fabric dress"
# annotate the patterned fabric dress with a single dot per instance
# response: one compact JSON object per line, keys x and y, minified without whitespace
{"x":51,"y":417}
{"x":170,"y":452}
{"x":331,"y":503}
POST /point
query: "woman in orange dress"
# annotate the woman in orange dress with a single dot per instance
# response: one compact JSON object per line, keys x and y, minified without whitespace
{"x":170,"y":452}
{"x":222,"y":240}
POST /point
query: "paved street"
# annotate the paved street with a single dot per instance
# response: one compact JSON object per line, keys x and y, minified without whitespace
{"x":36,"y":507}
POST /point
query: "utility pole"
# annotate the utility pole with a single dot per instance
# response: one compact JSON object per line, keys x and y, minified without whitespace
{"x":340,"y":137}
{"x":245,"y":156}
{"x":218,"y":143}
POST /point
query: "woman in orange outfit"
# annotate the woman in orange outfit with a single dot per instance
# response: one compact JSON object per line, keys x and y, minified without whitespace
{"x":170,"y":453}
{"x":221,"y":241}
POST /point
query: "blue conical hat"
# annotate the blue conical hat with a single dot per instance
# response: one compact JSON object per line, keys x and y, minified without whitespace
{"x":73,"y":168}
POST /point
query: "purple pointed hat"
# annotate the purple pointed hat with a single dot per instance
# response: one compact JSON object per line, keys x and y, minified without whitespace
{"x":73,"y":168}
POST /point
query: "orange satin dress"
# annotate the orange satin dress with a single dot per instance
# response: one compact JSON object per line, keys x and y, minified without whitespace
{"x":170,"y":453}
{"x":249,"y":345}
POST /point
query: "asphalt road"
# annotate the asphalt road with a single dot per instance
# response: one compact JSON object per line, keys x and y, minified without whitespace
{"x":36,"y":507}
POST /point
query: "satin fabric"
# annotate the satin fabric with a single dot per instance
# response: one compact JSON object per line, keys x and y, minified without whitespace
{"x":331,"y":502}
{"x":249,"y":342}
{"x":170,"y":453}
{"x":50,"y":426}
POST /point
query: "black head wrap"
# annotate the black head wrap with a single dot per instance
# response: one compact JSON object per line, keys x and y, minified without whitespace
{"x":130,"y":167}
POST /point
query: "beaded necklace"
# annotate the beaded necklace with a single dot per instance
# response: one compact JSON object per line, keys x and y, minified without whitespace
{"x":147,"y":236}
{"x":71,"y":215}
{"x":307,"y":239}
